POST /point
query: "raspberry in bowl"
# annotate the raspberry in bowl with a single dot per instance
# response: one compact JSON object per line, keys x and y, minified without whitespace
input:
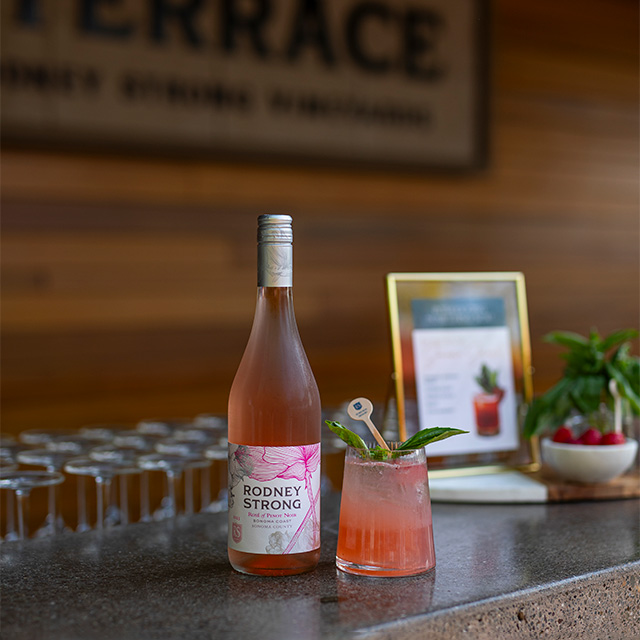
{"x":591,"y":458}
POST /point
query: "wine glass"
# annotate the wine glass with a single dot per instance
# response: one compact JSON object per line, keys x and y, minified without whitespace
{"x":75,"y":444}
{"x":142,"y":443}
{"x":42,"y":436}
{"x":213,"y":422}
{"x":10,"y":447}
{"x":199,"y":435}
{"x":164,"y":428}
{"x":7,"y":464}
{"x":218,"y":454}
{"x":124,"y":455}
{"x":173,"y":465}
{"x":21,"y":483}
{"x":53,"y":461}
{"x":134,"y":439}
{"x":103,"y":474}
{"x":102,"y":433}
{"x":190,"y":448}
{"x":199,"y":438}
{"x":114,"y":453}
{"x":7,"y":442}
{"x":207,"y":430}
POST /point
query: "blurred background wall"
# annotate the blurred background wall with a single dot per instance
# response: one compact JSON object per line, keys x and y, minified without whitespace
{"x":129,"y":281}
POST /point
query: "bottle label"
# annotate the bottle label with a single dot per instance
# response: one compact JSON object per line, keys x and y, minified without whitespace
{"x":274,"y":498}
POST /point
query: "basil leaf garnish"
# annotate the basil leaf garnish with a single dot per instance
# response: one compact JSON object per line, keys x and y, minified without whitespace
{"x":346,"y":435}
{"x":427,"y":436}
{"x":417,"y":441}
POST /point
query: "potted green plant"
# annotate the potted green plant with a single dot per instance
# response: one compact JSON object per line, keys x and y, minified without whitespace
{"x":592,"y":362}
{"x":587,"y":444}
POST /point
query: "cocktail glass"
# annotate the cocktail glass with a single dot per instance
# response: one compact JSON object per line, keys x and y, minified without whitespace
{"x":385,"y":515}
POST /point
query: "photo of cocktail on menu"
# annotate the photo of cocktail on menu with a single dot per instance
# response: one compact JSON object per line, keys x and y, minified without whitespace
{"x":486,"y":402}
{"x":461,"y":347}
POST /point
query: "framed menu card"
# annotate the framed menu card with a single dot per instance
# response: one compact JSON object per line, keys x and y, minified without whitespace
{"x":461,"y":353}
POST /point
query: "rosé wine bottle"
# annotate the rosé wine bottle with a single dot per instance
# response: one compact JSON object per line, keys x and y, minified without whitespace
{"x":274,"y":427}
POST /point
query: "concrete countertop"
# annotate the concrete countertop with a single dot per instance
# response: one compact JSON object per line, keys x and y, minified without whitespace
{"x":526,"y":571}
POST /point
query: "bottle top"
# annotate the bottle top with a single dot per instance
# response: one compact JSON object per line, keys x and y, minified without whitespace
{"x":275,"y":228}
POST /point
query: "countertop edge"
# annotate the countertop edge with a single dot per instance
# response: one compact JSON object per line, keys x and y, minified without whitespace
{"x":600,"y":604}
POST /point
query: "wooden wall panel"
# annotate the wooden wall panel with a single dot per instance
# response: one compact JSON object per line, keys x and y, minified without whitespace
{"x":128,"y":283}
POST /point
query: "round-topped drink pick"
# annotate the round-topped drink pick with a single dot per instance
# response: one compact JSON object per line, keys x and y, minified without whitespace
{"x":361,"y":409}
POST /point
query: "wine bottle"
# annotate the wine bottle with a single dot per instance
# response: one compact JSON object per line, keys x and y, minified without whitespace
{"x":274,"y":427}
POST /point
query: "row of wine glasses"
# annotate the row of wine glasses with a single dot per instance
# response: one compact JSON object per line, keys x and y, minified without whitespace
{"x":183,"y":460}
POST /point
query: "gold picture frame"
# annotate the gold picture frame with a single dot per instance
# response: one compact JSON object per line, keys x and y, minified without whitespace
{"x":461,"y":349}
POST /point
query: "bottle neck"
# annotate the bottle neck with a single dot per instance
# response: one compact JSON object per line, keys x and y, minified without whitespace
{"x":275,"y":264}
{"x":274,"y":321}
{"x":275,"y":304}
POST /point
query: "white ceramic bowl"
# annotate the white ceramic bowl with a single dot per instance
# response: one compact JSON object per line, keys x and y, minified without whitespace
{"x":589,"y":463}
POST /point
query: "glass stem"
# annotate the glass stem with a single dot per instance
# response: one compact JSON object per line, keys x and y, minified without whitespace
{"x":99,"y":503}
{"x":124,"y":500}
{"x":172,"y":480}
{"x":205,"y":489}
{"x":109,"y":503}
{"x":144,"y":497}
{"x":188,"y":491}
{"x":55,"y":521}
{"x":11,"y":521}
{"x":51,"y":516}
{"x":82,"y":505}
{"x":23,"y":513}
{"x":223,"y":481}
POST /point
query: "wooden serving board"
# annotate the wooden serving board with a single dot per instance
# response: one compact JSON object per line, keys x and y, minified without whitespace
{"x":516,"y":487}
{"x":559,"y":490}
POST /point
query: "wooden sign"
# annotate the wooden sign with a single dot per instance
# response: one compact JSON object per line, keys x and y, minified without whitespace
{"x":386,"y":82}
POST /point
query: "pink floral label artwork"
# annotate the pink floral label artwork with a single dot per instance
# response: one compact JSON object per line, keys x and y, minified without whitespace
{"x":274,"y":498}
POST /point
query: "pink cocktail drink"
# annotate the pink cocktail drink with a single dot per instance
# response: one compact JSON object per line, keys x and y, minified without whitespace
{"x":385,"y":516}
